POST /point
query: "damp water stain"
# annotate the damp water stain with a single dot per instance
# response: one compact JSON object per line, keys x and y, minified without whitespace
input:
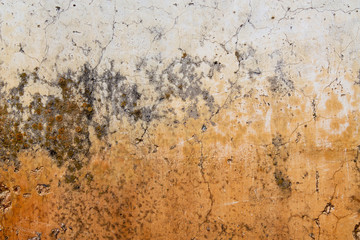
{"x":179,"y":121}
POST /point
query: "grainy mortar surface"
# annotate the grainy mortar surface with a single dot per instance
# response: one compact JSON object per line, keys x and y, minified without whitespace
{"x":179,"y":119}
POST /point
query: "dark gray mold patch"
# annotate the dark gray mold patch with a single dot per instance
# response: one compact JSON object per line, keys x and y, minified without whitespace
{"x":280,"y":83}
{"x":281,"y":180}
{"x":61,"y":125}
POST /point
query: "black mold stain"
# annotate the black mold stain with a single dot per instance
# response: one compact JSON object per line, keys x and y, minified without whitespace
{"x":185,"y":81}
{"x":280,"y":83}
{"x":113,"y":93}
{"x":279,"y":154}
{"x":61,"y":124}
{"x":279,"y":151}
{"x":281,"y":180}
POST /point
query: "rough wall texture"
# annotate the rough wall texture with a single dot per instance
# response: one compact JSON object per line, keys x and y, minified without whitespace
{"x":179,"y":119}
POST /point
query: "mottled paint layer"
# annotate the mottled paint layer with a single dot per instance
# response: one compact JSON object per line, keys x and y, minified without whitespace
{"x":168,"y":120}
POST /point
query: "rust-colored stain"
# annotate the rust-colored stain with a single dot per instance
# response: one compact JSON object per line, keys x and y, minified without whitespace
{"x":65,"y":176}
{"x":231,"y":136}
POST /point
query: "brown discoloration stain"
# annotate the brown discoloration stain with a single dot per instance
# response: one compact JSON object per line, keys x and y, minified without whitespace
{"x":161,"y":120}
{"x":253,"y":167}
{"x":130,"y":196}
{"x":333,"y":105}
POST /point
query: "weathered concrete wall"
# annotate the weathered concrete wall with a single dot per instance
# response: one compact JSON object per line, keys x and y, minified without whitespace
{"x":179,"y":119}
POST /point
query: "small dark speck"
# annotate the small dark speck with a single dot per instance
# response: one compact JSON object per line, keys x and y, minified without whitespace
{"x":57,"y":8}
{"x":74,"y":5}
{"x":52,"y":153}
{"x":272,"y":17}
{"x":305,"y":125}
{"x":203,"y":128}
{"x":191,"y":4}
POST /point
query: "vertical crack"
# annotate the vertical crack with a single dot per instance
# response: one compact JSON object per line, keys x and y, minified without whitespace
{"x":313,"y":105}
{"x":356,"y":159}
{"x":317,"y":176}
{"x":326,"y":211}
{"x":211,"y":196}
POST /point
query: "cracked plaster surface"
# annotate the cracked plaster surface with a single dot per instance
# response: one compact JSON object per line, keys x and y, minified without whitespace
{"x":179,"y":119}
